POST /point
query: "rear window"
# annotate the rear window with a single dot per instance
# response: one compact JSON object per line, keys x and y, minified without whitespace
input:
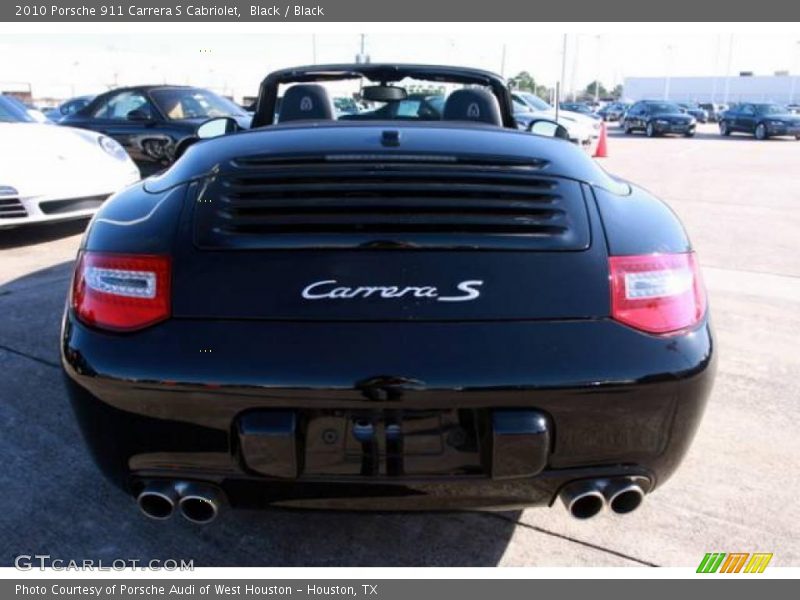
{"x":424,"y":100}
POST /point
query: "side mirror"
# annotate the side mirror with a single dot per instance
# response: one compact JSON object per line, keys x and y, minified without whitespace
{"x":138,"y":114}
{"x":217,"y":127}
{"x":547,"y":128}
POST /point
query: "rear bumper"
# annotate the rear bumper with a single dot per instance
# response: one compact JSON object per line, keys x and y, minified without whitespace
{"x":169,"y":402}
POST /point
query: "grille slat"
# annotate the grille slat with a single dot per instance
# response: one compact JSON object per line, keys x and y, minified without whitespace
{"x":11,"y":208}
{"x":402,"y":203}
{"x":333,"y":221}
{"x":314,"y":204}
{"x":386,"y":188}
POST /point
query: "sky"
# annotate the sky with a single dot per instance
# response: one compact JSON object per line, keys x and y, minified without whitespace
{"x":64,"y":65}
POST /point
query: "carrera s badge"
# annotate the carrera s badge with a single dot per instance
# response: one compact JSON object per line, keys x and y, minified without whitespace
{"x":331,"y":290}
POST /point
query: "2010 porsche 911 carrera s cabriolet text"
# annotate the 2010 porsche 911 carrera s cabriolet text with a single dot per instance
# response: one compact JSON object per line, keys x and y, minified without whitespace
{"x":391,"y":309}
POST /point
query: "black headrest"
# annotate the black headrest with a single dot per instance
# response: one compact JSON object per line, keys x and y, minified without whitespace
{"x":305,"y":101}
{"x":472,"y":105}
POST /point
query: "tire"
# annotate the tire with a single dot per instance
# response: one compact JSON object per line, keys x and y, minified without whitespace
{"x":724,"y":129}
{"x":689,"y":134}
{"x":650,"y":131}
{"x":797,"y":137}
{"x":626,"y":128}
{"x":761,"y":132}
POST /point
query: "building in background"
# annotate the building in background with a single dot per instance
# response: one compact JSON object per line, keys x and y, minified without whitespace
{"x":22,"y":91}
{"x":782,"y":88}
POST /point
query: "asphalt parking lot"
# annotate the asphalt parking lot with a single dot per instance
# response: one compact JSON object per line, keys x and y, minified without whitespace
{"x":737,"y":491}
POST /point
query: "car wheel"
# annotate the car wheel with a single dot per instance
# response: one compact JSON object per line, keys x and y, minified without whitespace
{"x":650,"y":130}
{"x":723,"y":128}
{"x":626,"y":128}
{"x":761,"y":132}
{"x":689,"y":134}
{"x":797,"y":137}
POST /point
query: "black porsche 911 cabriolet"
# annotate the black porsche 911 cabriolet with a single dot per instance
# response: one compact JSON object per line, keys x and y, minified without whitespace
{"x":404,"y":313}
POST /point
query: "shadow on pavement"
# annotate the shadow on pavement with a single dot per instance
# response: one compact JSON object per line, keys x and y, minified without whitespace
{"x":56,"y":502}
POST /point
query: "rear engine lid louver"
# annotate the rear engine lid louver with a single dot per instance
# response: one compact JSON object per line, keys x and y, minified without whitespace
{"x":384,"y":202}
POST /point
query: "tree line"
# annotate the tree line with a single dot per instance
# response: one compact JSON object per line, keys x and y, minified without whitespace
{"x":525,"y":82}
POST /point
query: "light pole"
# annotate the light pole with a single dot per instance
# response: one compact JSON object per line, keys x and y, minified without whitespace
{"x":75,"y":66}
{"x":669,"y":72}
{"x":362,"y":57}
{"x":560,"y":84}
{"x":716,"y":70}
{"x":794,"y":73}
{"x":313,"y":48}
{"x":728,"y":71}
{"x":597,"y":77}
{"x":573,"y":73}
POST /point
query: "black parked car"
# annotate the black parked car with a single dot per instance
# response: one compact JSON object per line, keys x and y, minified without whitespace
{"x":714,"y":110}
{"x":658,"y":117}
{"x":700,"y":114}
{"x":152,"y":122}
{"x":613,"y":111}
{"x":763,"y":120}
{"x":396,"y":314}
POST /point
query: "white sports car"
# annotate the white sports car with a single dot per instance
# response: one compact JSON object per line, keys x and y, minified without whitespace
{"x":582,"y":130}
{"x":53,"y":173}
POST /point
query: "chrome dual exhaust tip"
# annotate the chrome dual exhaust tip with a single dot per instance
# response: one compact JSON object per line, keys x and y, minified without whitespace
{"x":624,"y":497}
{"x":196,"y":502}
{"x":200,"y":503}
{"x":158,"y":500}
{"x":587,"y":498}
{"x":583,"y":499}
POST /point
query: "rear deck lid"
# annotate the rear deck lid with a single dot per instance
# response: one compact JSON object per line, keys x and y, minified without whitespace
{"x":389,"y":237}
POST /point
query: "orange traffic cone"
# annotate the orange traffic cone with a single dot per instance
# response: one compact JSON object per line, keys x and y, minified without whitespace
{"x":601,"y":151}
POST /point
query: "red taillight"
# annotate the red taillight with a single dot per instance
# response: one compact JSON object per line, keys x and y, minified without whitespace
{"x":122,"y":292}
{"x":657,"y":293}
